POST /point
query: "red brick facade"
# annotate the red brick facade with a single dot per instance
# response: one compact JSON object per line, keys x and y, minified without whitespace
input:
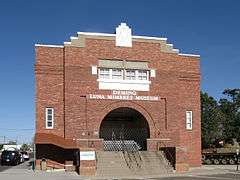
{"x":64,"y":80}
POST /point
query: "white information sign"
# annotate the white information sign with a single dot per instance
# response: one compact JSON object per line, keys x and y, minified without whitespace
{"x":87,"y":155}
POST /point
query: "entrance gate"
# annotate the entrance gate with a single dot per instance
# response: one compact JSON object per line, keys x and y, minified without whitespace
{"x":125,"y":124}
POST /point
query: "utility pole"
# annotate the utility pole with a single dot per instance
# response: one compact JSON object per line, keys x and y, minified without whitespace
{"x":237,"y":152}
{"x":4,"y":139}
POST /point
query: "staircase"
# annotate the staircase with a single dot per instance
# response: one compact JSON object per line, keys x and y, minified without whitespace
{"x":140,"y":163}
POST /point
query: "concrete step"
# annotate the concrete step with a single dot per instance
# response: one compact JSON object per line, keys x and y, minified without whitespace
{"x":116,"y":163}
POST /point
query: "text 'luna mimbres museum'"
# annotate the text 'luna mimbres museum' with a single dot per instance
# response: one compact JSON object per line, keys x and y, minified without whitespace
{"x":101,"y":93}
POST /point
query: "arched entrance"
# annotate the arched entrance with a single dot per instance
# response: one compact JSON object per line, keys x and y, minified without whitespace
{"x":127,"y":124}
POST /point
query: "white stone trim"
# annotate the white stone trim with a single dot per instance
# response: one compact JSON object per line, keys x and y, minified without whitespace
{"x":95,"y":34}
{"x":72,"y":37}
{"x":125,"y":81}
{"x":94,"y":70}
{"x":153,"y":73}
{"x":150,"y":38}
{"x":190,"y":55}
{"x":176,"y":50}
{"x":67,"y":43}
{"x":48,"y":45}
{"x":114,"y":84}
{"x":113,"y":35}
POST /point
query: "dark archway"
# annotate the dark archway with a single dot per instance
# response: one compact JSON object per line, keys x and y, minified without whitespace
{"x":125,"y":123}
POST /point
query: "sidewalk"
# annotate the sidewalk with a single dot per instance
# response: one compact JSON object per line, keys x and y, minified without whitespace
{"x":213,"y":169}
{"x":26,"y":174}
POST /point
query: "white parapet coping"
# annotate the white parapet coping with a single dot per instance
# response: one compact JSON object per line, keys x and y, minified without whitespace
{"x":113,"y":35}
{"x":96,"y":34}
{"x":49,"y":45}
{"x":72,"y":37}
{"x":176,"y":50}
{"x":67,"y":43}
{"x":150,"y":38}
{"x":190,"y":55}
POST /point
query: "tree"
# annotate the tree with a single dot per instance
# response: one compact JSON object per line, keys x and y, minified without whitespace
{"x":1,"y":146}
{"x":230,"y":106}
{"x":25,"y":147}
{"x":212,"y":120}
{"x":220,"y":120}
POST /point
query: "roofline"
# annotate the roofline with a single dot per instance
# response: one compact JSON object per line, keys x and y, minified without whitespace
{"x":95,"y":34}
{"x":49,"y":45}
{"x":150,"y":38}
{"x":190,"y":55}
{"x":113,"y":35}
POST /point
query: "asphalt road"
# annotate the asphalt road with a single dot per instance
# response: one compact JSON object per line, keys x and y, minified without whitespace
{"x":25,"y":165}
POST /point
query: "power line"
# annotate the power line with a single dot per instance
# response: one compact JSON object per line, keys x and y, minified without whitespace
{"x":12,"y":129}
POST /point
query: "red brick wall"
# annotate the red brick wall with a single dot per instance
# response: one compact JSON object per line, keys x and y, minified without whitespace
{"x":177,"y":81}
{"x":49,"y":88}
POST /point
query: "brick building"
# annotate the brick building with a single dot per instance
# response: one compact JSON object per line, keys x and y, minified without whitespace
{"x":99,"y":88}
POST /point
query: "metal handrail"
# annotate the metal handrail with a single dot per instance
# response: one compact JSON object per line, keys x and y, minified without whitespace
{"x":124,"y":150}
{"x":138,"y":164}
{"x":132,"y":152}
{"x":169,"y":154}
{"x":127,"y":153}
{"x":114,"y":140}
{"x":139,"y":155}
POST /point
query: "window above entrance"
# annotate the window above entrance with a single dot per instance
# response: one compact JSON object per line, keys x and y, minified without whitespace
{"x":123,"y":75}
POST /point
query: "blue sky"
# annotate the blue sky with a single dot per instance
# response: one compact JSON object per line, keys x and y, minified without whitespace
{"x":209,"y":28}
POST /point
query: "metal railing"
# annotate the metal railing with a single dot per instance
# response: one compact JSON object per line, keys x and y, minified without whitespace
{"x":129,"y":148}
{"x":167,"y":153}
{"x":126,"y":154}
